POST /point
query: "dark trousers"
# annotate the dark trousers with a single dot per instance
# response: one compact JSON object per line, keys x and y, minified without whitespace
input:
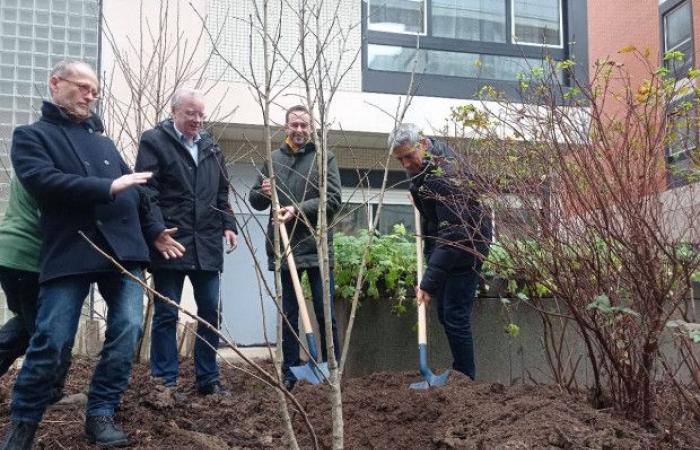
{"x":290,"y":345}
{"x":21,"y":291}
{"x":60,"y":307}
{"x":454,"y":307}
{"x":164,"y":358}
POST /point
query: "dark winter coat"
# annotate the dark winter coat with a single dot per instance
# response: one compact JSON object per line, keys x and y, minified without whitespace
{"x":192,"y":197}
{"x":68,"y":167}
{"x":297,"y":185}
{"x":456,"y":229}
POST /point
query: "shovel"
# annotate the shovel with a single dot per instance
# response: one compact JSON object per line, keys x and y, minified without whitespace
{"x":312,"y":371}
{"x":429,"y":378}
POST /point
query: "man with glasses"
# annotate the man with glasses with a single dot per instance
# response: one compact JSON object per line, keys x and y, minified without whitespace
{"x":81,"y":184}
{"x":190,"y":184}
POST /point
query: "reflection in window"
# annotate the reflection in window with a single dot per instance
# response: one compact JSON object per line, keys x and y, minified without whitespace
{"x":351,"y":218}
{"x":682,"y":132}
{"x":474,"y":20}
{"x":394,"y":215}
{"x":438,"y":62}
{"x":397,"y":16}
{"x":537,"y":22}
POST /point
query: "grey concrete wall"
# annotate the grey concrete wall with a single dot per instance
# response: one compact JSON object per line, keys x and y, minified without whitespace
{"x":382,"y":341}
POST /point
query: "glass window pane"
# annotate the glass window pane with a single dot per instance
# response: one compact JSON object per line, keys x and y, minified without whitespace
{"x":677,"y":26}
{"x":58,"y":48}
{"x":475,"y":20}
{"x":6,"y":117}
{"x":351,"y":219}
{"x":9,"y":14}
{"x":58,"y":19}
{"x":24,"y":45}
{"x":74,"y":35}
{"x":394,"y":215}
{"x":397,"y":16}
{"x":27,"y":4}
{"x":41,"y":61}
{"x":74,"y":51}
{"x":24,"y":59}
{"x":6,"y":101}
{"x":26,"y":16}
{"x":58,"y":33}
{"x":24,"y":103}
{"x":9,"y":29}
{"x":8,"y":73}
{"x":7,"y":57}
{"x":23,"y":88}
{"x":41,"y":46}
{"x":42,"y":18}
{"x":58,"y":5}
{"x":537,"y":22}
{"x":8,"y":43}
{"x":75,"y":21}
{"x":437,"y":62}
{"x":6,"y":87}
{"x":25,"y":30}
{"x":41,"y":32}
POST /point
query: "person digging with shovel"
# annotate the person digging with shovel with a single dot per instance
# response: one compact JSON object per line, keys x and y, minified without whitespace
{"x":456,"y":232}
{"x":295,"y":170}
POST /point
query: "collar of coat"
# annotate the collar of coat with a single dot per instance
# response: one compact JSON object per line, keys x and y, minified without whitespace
{"x":205,"y":142}
{"x":309,"y":147}
{"x":55,"y":114}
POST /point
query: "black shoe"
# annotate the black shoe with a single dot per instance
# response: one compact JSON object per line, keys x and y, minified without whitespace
{"x":20,"y":435}
{"x":214,"y":388}
{"x":289,"y":383}
{"x":102,"y":430}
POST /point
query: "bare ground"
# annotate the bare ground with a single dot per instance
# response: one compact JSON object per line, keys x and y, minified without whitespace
{"x":380,"y":412}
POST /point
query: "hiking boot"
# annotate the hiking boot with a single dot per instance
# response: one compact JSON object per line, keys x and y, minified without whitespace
{"x":20,"y":435}
{"x":102,"y":430}
{"x":214,"y":388}
{"x":69,"y":401}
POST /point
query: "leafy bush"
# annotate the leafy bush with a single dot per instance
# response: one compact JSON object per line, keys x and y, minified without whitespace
{"x":390,"y":270}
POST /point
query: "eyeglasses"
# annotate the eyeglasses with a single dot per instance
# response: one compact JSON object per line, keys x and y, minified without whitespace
{"x":83,"y":88}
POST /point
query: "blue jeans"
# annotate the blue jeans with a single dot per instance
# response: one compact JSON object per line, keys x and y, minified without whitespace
{"x":454,"y":307}
{"x":164,"y":360}
{"x":60,"y":306}
{"x":290,"y":345}
{"x":21,"y":291}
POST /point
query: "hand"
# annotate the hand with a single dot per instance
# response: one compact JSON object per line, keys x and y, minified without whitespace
{"x":266,"y":187}
{"x":167,"y":245}
{"x":286,"y":214}
{"x":124,"y":182}
{"x":231,"y":240}
{"x":422,"y":296}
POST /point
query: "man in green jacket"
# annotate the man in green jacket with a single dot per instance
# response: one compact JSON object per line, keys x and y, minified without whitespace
{"x":295,"y":170}
{"x":19,"y":272}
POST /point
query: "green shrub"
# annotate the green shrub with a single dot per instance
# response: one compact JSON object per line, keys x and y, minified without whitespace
{"x":390,"y":270}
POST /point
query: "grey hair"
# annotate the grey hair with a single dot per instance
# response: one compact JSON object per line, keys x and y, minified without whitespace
{"x":181,"y":94}
{"x":406,"y":133}
{"x":65,"y":67}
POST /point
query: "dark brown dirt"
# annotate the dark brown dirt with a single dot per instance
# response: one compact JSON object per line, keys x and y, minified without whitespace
{"x":380,"y":413}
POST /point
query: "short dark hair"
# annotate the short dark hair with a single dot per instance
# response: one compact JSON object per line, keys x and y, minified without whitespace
{"x":295,"y":108}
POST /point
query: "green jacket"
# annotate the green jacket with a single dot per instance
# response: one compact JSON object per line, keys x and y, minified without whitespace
{"x":297,"y":185}
{"x":20,"y":237}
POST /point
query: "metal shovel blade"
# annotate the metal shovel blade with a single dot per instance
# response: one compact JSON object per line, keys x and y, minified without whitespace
{"x":313,"y":373}
{"x":429,"y":378}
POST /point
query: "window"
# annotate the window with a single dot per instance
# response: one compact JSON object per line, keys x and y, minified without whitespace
{"x":398,"y":16}
{"x":454,"y":47}
{"x":682,"y":129}
{"x":360,"y":209}
{"x":678,"y":35}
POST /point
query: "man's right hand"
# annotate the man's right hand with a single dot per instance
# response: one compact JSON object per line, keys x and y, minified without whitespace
{"x":124,"y":182}
{"x":167,"y":245}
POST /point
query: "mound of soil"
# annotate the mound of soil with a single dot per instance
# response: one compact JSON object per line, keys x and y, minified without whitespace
{"x":380,"y":412}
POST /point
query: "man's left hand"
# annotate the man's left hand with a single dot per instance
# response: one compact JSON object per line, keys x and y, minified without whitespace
{"x":422,"y":296}
{"x":231,"y":240}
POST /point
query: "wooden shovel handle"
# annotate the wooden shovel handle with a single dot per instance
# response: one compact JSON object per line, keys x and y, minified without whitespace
{"x":291,"y":265}
{"x":422,"y":334}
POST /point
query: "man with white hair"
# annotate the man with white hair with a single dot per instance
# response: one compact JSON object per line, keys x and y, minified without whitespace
{"x":190,"y":185}
{"x":81,"y":184}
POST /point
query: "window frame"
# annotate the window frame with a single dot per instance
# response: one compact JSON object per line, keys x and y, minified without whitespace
{"x":574,"y":40}
{"x":665,"y":9}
